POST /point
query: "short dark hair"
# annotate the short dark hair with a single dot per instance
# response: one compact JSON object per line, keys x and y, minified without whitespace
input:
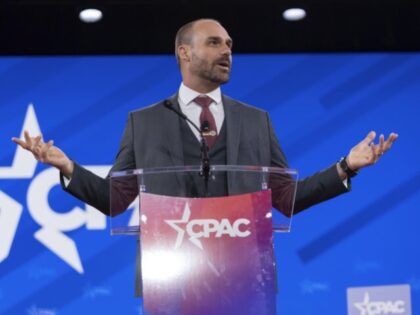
{"x":184,"y":35}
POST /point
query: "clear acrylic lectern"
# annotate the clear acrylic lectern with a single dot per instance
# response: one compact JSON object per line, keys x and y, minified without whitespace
{"x":205,"y":248}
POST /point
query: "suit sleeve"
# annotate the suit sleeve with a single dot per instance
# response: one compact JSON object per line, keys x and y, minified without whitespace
{"x":95,"y":190}
{"x":321,"y":186}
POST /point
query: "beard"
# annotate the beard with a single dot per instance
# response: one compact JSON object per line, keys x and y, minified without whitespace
{"x":210,"y":70}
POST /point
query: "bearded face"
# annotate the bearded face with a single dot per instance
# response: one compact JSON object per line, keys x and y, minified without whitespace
{"x":216,"y":70}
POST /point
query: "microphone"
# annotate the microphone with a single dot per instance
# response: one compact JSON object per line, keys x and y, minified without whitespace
{"x":205,"y":126}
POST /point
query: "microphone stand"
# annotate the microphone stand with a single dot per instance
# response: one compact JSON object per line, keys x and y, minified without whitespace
{"x":205,"y":164}
{"x":205,"y":160}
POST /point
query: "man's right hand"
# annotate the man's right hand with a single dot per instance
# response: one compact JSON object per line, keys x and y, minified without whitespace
{"x":46,"y":153}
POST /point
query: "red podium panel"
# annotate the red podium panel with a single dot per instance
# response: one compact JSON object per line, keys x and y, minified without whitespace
{"x":207,"y":255}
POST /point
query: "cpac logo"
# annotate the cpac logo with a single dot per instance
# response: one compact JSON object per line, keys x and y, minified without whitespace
{"x":368,"y":307}
{"x":204,"y":228}
{"x":52,"y":224}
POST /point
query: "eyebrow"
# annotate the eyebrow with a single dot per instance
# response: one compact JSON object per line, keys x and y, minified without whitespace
{"x":218,"y":38}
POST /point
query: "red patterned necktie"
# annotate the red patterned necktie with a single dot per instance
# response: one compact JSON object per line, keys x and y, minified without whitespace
{"x":207,"y":122}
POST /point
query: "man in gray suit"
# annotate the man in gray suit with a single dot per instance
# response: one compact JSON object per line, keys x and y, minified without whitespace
{"x":239,"y":134}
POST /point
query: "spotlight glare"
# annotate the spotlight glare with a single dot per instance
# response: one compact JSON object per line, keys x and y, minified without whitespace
{"x":294,"y":14}
{"x":90,"y":15}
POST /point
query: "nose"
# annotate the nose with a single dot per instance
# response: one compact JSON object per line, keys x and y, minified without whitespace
{"x":227,"y":50}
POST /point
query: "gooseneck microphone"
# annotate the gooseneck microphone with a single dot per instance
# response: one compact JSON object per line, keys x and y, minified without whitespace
{"x":168,"y":104}
{"x":205,"y":160}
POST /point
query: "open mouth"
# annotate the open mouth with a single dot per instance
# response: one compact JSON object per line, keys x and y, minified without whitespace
{"x":224,"y":65}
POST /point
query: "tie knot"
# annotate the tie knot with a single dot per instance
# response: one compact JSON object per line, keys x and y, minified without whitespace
{"x":203,"y":100}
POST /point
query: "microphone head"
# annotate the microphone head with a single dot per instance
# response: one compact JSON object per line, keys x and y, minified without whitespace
{"x":167,"y":103}
{"x":205,"y":126}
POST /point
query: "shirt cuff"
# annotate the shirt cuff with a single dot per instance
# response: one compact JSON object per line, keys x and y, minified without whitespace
{"x":66,"y":181}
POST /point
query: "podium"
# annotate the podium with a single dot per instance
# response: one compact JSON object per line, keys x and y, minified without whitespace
{"x":204,"y":248}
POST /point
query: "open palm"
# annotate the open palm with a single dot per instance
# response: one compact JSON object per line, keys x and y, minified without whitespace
{"x":367,"y":152}
{"x":45,"y":152}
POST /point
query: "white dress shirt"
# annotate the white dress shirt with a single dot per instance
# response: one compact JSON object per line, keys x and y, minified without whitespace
{"x":192,"y":110}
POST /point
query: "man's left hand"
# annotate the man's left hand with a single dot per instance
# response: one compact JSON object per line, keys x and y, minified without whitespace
{"x":367,"y":152}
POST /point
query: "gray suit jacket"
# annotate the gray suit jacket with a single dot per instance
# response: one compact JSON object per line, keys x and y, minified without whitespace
{"x":152,"y":138}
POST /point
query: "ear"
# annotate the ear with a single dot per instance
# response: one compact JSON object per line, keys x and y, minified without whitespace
{"x":184,"y":53}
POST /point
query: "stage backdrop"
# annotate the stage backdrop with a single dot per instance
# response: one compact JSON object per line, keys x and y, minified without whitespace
{"x":57,"y":256}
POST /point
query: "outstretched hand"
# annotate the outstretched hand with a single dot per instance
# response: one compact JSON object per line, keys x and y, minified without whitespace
{"x":46,"y":152}
{"x":367,"y":152}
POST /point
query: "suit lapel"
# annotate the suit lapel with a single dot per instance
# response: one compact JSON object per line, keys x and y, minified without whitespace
{"x":233,"y":129}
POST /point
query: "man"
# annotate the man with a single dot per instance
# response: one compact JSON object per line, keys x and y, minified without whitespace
{"x":238,"y":134}
{"x":203,"y":50}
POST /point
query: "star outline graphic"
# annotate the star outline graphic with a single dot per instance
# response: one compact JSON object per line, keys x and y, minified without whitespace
{"x":181,"y":232}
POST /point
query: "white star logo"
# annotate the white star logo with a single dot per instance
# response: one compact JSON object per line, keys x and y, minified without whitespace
{"x":363,"y":307}
{"x":23,"y":166}
{"x":181,"y":232}
{"x":52,"y":224}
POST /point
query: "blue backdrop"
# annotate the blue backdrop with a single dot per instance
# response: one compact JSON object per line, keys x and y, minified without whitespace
{"x":57,"y":257}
